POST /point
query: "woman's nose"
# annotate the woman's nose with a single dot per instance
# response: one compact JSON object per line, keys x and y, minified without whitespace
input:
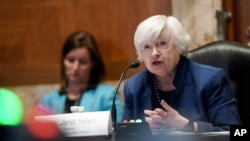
{"x":155,"y":51}
{"x":75,"y":65}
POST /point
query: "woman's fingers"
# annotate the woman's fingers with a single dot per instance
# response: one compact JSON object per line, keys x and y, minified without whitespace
{"x":166,"y":106}
{"x":150,"y":113}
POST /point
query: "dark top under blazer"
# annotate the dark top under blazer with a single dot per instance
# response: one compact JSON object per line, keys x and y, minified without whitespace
{"x":202,"y":94}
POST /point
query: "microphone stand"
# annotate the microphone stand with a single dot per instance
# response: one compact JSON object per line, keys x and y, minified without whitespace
{"x":113,"y":110}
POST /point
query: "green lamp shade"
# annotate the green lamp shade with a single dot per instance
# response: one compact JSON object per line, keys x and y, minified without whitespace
{"x":11,"y":108}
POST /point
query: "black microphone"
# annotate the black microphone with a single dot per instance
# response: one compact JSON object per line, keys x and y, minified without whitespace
{"x":135,"y":64}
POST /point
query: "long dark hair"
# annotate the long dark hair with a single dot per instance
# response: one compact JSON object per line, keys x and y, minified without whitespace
{"x":77,"y":40}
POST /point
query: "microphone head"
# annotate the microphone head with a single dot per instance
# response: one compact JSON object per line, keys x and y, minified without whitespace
{"x":135,"y":64}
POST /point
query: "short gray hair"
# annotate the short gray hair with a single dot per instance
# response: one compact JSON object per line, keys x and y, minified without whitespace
{"x":150,"y":29}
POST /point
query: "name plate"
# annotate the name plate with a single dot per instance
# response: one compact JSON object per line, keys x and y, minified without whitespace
{"x":81,"y":124}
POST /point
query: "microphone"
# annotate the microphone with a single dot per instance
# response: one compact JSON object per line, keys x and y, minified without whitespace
{"x":135,"y":64}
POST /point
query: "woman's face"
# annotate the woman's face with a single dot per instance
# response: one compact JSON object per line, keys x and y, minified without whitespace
{"x":78,"y":65}
{"x":160,"y":55}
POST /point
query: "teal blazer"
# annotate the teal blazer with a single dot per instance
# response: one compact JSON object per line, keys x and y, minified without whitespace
{"x":99,"y":98}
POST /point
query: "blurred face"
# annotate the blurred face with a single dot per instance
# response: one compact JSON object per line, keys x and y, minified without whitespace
{"x":160,"y":55}
{"x":78,"y":65}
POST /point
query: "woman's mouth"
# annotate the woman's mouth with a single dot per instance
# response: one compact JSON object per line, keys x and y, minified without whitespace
{"x":156,"y":63}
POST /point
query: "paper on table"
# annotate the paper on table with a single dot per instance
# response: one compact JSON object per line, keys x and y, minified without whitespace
{"x":217,"y":133}
{"x":175,"y":132}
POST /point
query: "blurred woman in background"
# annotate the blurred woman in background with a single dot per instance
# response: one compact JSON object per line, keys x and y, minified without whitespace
{"x":82,"y":72}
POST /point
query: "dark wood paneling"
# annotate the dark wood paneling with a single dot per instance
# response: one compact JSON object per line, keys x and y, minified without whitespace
{"x":228,"y":7}
{"x":32,"y":33}
{"x":240,"y":20}
{"x":14,"y":76}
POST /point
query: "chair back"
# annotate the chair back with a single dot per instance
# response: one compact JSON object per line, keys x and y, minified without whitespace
{"x":234,"y":59}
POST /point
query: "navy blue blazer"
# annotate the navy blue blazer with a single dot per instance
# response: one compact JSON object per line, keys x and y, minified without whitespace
{"x":202,"y":94}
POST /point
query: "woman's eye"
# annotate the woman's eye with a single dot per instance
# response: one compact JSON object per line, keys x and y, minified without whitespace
{"x":71,"y":60}
{"x":163,"y":43}
{"x":83,"y":62}
{"x":146,"y":47}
